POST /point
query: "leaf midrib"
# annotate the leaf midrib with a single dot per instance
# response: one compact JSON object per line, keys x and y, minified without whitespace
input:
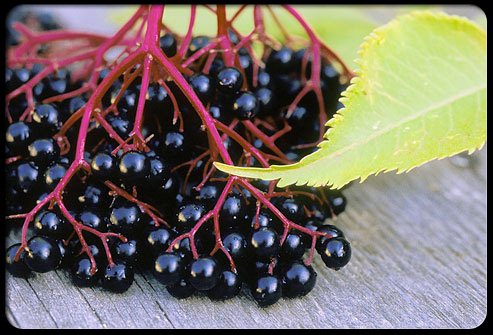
{"x":450,"y":100}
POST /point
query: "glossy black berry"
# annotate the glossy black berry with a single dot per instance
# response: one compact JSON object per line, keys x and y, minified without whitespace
{"x":168,"y":268}
{"x":159,"y":170}
{"x":118,"y":278}
{"x":125,"y":218}
{"x":121,"y":124}
{"x":181,"y":290}
{"x":94,"y":196}
{"x":94,"y":218}
{"x":103,"y":166}
{"x":229,"y":80}
{"x":197,"y":43}
{"x":46,"y":118}
{"x":291,"y":208}
{"x":203,"y":86}
{"x":267,"y":290}
{"x":337,"y":202}
{"x":228,"y":287}
{"x":19,"y":268}
{"x":53,"y":175}
{"x":312,"y":225}
{"x":204,"y":273}
{"x":167,"y":43}
{"x":208,"y":194}
{"x":43,"y":152}
{"x":236,"y":244}
{"x":336,"y":252}
{"x":18,"y":137}
{"x":42,"y":254}
{"x":134,"y":167}
{"x":168,"y":188}
{"x":81,"y":274}
{"x":298,"y":279}
{"x":51,"y":224}
{"x":264,"y":219}
{"x":188,"y":215}
{"x":280,"y":61}
{"x":265,"y":243}
{"x":267,"y":101}
{"x":126,"y":252}
{"x":233,"y":211}
{"x":27,"y":177}
{"x":245,"y":106}
{"x":174,"y":145}
{"x":157,"y":239}
{"x":293,"y":247}
{"x":331,"y":231}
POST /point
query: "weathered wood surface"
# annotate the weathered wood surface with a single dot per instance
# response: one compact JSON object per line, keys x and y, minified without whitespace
{"x":419,"y":261}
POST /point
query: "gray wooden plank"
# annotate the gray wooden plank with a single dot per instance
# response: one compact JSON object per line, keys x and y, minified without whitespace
{"x":419,"y":261}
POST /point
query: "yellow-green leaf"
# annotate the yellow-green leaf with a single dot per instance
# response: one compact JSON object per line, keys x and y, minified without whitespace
{"x":419,"y":95}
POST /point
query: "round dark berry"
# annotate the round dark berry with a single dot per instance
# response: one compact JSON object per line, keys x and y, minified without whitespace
{"x":204,"y":273}
{"x":236,"y":244}
{"x":233,"y":211}
{"x":27,"y":177}
{"x":53,"y":175}
{"x":118,"y":278}
{"x":267,"y":101}
{"x":228,"y":287}
{"x":336,"y":253}
{"x":81,"y":272}
{"x":337,"y":202}
{"x":208,"y":194}
{"x":203,"y":86}
{"x":94,"y":196}
{"x":103,"y":166}
{"x":267,"y":290}
{"x":313,"y":225}
{"x":43,"y":152}
{"x":181,"y":290}
{"x":280,"y":61}
{"x":291,"y":208}
{"x":174,"y":145}
{"x":197,"y":43}
{"x":293,"y":247}
{"x":126,"y":252}
{"x":157,"y":239}
{"x":245,"y":106}
{"x":229,"y":80}
{"x":51,"y":224}
{"x":134,"y":167}
{"x":167,"y":43}
{"x":19,"y":268}
{"x":42,"y":254}
{"x":298,"y":279}
{"x":18,"y":137}
{"x":159,"y":170}
{"x":265,"y":243}
{"x":125,"y":218}
{"x":94,"y":219}
{"x":188,"y":215}
{"x":47,"y":119}
{"x":331,"y":231}
{"x":168,"y":188}
{"x":121,"y":124}
{"x":168,"y":268}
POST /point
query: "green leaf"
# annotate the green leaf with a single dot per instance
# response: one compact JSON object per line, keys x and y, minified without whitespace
{"x":420,"y":94}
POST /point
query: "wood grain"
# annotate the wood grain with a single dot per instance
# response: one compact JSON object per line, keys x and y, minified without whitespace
{"x":419,"y":261}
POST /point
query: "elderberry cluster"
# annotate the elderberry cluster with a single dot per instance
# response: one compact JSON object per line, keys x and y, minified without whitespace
{"x":173,"y":176}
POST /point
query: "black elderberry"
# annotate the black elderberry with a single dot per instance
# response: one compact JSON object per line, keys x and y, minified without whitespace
{"x":197,"y":43}
{"x":18,"y":137}
{"x":181,"y":290}
{"x":267,"y":290}
{"x":336,"y":252}
{"x":204,"y":273}
{"x":81,"y":274}
{"x":103,"y":166}
{"x":291,"y":208}
{"x":53,"y":175}
{"x":19,"y":268}
{"x":167,"y":43}
{"x":125,"y":218}
{"x":280,"y":61}
{"x":265,"y":243}
{"x":337,"y":202}
{"x":169,"y":268}
{"x":311,"y":224}
{"x":233,"y":211}
{"x":174,"y":145}
{"x":203,"y":86}
{"x":219,"y":112}
{"x":208,"y":194}
{"x":27,"y":177}
{"x":118,"y":278}
{"x":43,"y":151}
{"x":94,"y":218}
{"x":245,"y":106}
{"x":94,"y":196}
{"x":267,"y":101}
{"x":134,"y":167}
{"x":229,"y":80}
{"x":126,"y":252}
{"x":265,"y":219}
{"x":298,"y":279}
{"x":121,"y":124}
{"x":216,"y":66}
{"x":293,"y":247}
{"x":42,"y":254}
{"x":49,"y":223}
{"x":47,"y":119}
{"x":156,"y":239}
{"x":168,"y":188}
{"x":228,"y":286}
{"x":188,"y":215}
{"x":236,"y":244}
{"x":331,"y":231}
